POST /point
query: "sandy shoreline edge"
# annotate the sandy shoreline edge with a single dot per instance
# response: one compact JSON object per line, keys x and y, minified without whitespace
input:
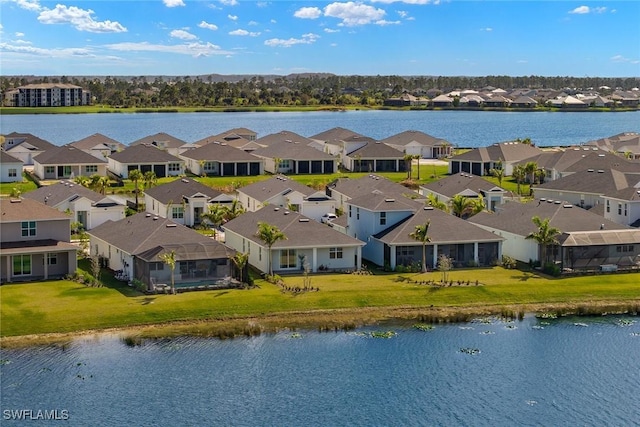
{"x":323,"y":320}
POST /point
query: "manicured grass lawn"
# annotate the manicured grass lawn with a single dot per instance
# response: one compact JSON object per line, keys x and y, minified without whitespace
{"x":23,"y":187}
{"x":65,"y":306}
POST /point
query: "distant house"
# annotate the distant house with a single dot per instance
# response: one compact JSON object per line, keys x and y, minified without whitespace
{"x":626,"y":144}
{"x":183,"y":200}
{"x":66,"y":163}
{"x":344,"y":189}
{"x":98,"y":145}
{"x":374,"y":156}
{"x":309,"y":244}
{"x":10,"y":168}
{"x":282,"y":191}
{"x":163,"y":141}
{"x":467,"y":185}
{"x":442,"y":101}
{"x":145,"y":158}
{"x":497,"y":101}
{"x":338,"y":141}
{"x":86,"y":206}
{"x":405,"y":100}
{"x":135,"y":245}
{"x":220,"y":159}
{"x":480,"y":161}
{"x":232,"y":140}
{"x":25,"y":146}
{"x":587,"y":240}
{"x":35,"y":242}
{"x":294,"y":155}
{"x":414,"y":142}
{"x":524,"y":102}
{"x":236,"y":133}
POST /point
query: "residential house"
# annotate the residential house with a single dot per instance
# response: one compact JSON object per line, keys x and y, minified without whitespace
{"x":10,"y":168}
{"x":626,"y":144}
{"x":163,"y":141}
{"x":35,"y":242}
{"x":237,"y":133}
{"x":220,"y":159}
{"x":338,"y":141}
{"x":25,"y":146}
{"x":86,"y":206}
{"x":134,"y":246}
{"x":405,"y":100}
{"x":415,"y":142}
{"x":183,"y":200}
{"x":309,"y":245}
{"x":282,"y":191}
{"x":442,"y":101}
{"x":623,"y":207}
{"x":98,"y":145}
{"x":467,"y":185}
{"x":480,"y":161}
{"x":344,"y":189}
{"x":374,"y":156}
{"x":587,"y":240}
{"x":293,"y":154}
{"x":145,"y":158}
{"x":524,"y":101}
{"x":231,"y":140}
{"x":497,"y":101}
{"x":465,"y":243}
{"x":67,"y":162}
{"x":586,"y":188}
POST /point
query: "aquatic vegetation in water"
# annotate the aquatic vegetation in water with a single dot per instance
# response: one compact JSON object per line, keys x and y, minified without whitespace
{"x":382,"y":334}
{"x":4,"y":362}
{"x":423,"y":327}
{"x":296,"y":335}
{"x":470,"y":350}
{"x":547,"y":316}
{"x":625,"y":322}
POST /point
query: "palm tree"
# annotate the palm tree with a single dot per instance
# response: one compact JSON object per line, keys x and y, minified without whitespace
{"x":99,"y":183}
{"x":545,"y":235}
{"x":215,"y":215}
{"x":460,"y":205}
{"x":234,"y":210}
{"x":432,"y":200}
{"x":269,"y":234}
{"x":82,"y":180}
{"x":150,"y":179}
{"x":519,"y":175}
{"x":135,"y":176}
{"x":408,"y":160}
{"x":498,"y":172}
{"x":530,"y":169}
{"x":477,"y":206}
{"x":421,"y":235}
{"x":277,"y":161}
{"x":240,"y":260}
{"x":169,"y":258}
{"x":417,"y":157}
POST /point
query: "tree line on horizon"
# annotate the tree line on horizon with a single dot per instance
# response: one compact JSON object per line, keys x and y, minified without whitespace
{"x":296,"y":89}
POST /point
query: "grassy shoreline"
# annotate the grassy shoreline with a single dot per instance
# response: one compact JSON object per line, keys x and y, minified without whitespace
{"x":58,"y":311}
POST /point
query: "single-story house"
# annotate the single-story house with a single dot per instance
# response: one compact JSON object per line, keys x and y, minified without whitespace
{"x":145,"y":158}
{"x":626,"y":144}
{"x":35,"y":242}
{"x":415,"y":142}
{"x":374,"y":156}
{"x":220,"y":159}
{"x":623,"y":206}
{"x":480,"y":161}
{"x":25,"y":146}
{"x":183,"y":200}
{"x":134,"y":246}
{"x":344,"y":189}
{"x":98,"y":145}
{"x":163,"y":141}
{"x":338,"y":141}
{"x":467,"y":185}
{"x":66,"y":163}
{"x":10,"y":168}
{"x":86,"y":206}
{"x":309,"y":245}
{"x":293,"y":155}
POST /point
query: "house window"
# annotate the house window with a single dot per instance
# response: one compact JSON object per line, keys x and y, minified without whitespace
{"x":174,"y":167}
{"x":177,"y":212}
{"x":284,"y":164}
{"x":619,"y":208}
{"x":52,"y":259}
{"x":383,"y":218}
{"x":21,"y":265}
{"x":288,"y":258}
{"x":49,"y":170}
{"x":28,"y":228}
{"x":259,"y":253}
{"x":357,"y":213}
{"x":335,"y":253}
{"x":244,"y":242}
{"x":91,"y":168}
{"x":608,"y":207}
{"x":156,"y":266}
{"x":625,"y":209}
{"x":186,"y":267}
{"x":13,"y":173}
{"x":350,"y":211}
{"x":624,"y":248}
{"x":405,"y":251}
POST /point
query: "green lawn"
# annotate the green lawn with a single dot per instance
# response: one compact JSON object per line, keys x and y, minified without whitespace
{"x":65,"y":306}
{"x":6,"y":188}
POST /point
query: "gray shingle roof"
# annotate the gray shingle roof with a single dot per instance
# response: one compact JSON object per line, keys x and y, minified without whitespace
{"x":409,"y":136}
{"x":443,"y":229}
{"x":351,"y":187}
{"x":377,"y":201}
{"x":159,"y":139}
{"x":592,"y":181}
{"x":37,"y":142}
{"x":336,"y":135}
{"x":516,"y":217}
{"x":604,"y":160}
{"x":279,"y":184}
{"x":28,"y":210}
{"x":301,"y":231}
{"x":96,"y":140}
{"x":283,"y":136}
{"x":175,"y":190}
{"x":506,"y":151}
{"x":66,"y":155}
{"x":377,"y":150}
{"x":294,"y":150}
{"x":8,"y":158}
{"x":56,"y":193}
{"x":455,"y":184}
{"x":144,"y":154}
{"x":140,"y":232}
{"x":220,"y":152}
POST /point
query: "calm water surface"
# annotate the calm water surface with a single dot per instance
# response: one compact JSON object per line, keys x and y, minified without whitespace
{"x":568,"y":371}
{"x":462,"y":128}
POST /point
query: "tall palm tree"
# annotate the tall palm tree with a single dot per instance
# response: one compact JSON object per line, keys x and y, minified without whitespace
{"x":477,"y":206}
{"x":269,"y":234}
{"x":421,"y":234}
{"x":135,"y":176}
{"x":408,"y":160}
{"x":169,"y":258}
{"x":460,"y":205}
{"x":519,"y":175}
{"x":277,"y":161}
{"x":498,"y":172}
{"x":432,"y":200}
{"x":150,"y":179}
{"x":83,"y":180}
{"x":546,"y":235}
{"x":240,"y":260}
{"x":216,"y":215}
{"x":234,"y":210}
{"x":530,"y":169}
{"x":418,"y":157}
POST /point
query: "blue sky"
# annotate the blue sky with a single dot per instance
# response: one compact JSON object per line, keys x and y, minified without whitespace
{"x":369,"y":37}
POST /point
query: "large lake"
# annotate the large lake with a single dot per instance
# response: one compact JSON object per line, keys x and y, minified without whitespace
{"x":559,"y":372}
{"x":461,"y":128}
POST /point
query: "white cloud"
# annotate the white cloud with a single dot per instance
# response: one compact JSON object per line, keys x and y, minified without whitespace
{"x":353,"y":14}
{"x":273,"y":21}
{"x":19,"y":34}
{"x":620,"y":58}
{"x":580,"y":10}
{"x":329,"y":30}
{"x":253,"y":23}
{"x":487,"y":29}
{"x":305,"y":39}
{"x":403,"y":13}
{"x":195,"y":49}
{"x":229,"y":2}
{"x":81,"y":19}
{"x":204,"y":24}
{"x":333,"y":44}
{"x":405,"y":1}
{"x":233,"y":17}
{"x":308,"y":13}
{"x":32,"y":5}
{"x":262,"y":4}
{"x":51,"y":53}
{"x":182,"y":35}
{"x":384,"y":22}
{"x":601,"y":9}
{"x":241,"y":32}
{"x":173,"y":3}
{"x":522,"y":61}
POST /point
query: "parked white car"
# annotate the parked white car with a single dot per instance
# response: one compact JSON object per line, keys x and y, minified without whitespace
{"x":328,"y":217}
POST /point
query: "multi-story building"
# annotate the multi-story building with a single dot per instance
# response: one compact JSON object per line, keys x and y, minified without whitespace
{"x":51,"y":95}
